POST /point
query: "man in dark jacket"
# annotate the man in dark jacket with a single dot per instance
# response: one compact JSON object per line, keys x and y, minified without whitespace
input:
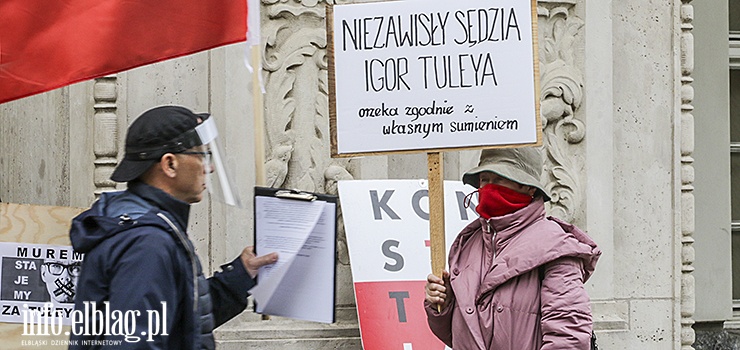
{"x":141,"y":284}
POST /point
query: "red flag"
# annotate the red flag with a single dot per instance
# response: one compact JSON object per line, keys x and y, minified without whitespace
{"x":49,"y":44}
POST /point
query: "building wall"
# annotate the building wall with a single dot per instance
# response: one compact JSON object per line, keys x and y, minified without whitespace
{"x":616,"y":105}
{"x":711,"y":108}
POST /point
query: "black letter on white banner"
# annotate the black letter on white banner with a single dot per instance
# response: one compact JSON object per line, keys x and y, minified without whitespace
{"x":416,"y":203}
{"x":382,"y":204}
{"x":399,"y":296}
{"x":392,"y":255}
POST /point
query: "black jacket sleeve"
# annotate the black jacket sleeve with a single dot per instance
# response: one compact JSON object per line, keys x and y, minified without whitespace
{"x":229,"y":290}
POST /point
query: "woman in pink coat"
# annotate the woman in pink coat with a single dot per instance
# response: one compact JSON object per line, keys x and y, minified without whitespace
{"x":516,"y":277}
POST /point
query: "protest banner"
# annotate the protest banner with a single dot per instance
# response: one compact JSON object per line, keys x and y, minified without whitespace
{"x":386,"y":223}
{"x":429,"y":76}
{"x":419,"y":75}
{"x":38,"y":269}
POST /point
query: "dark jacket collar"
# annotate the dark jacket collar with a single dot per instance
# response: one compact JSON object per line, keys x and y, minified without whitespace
{"x":161,"y":199}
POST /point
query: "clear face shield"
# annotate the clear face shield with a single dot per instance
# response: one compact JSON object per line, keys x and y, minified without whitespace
{"x":219,"y":181}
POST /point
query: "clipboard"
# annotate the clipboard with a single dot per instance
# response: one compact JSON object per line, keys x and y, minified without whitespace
{"x":302,"y":228}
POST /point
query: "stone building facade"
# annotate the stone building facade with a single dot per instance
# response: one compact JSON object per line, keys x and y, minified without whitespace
{"x":617,"y":104}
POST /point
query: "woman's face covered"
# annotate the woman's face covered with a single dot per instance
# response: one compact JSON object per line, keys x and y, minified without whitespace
{"x":499,"y":196}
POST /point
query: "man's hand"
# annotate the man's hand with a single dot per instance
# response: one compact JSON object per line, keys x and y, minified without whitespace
{"x":252,"y":263}
{"x":436,"y":290}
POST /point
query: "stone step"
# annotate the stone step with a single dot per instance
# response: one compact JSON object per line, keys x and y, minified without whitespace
{"x":267,"y":330}
{"x":250,"y":331}
{"x":292,"y":344}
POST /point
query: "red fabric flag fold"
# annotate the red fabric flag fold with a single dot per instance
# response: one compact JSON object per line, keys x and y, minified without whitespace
{"x":45,"y":44}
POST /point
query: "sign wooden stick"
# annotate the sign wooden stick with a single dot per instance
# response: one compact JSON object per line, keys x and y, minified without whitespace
{"x":259,"y":122}
{"x":436,"y":212}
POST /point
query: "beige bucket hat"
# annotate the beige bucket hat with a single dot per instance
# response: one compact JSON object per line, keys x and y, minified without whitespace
{"x":523,"y":165}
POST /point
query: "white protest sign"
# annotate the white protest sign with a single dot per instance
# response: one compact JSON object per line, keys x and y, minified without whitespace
{"x":38,"y":282}
{"x":420,"y":75}
{"x":387,"y":230}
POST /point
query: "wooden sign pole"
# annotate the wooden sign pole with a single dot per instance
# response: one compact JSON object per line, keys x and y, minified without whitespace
{"x":436,"y":212}
{"x":259,"y":122}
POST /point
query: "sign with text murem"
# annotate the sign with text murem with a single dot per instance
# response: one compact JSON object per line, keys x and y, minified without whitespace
{"x":422,"y":75}
{"x":37,"y":277}
{"x":387,"y":229}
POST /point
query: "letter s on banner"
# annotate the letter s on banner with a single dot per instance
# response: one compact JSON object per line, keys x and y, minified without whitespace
{"x":392,"y":255}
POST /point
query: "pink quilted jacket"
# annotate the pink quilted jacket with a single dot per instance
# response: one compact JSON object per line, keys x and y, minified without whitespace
{"x":517,"y":284}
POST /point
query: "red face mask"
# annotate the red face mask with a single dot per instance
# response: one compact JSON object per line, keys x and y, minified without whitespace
{"x":497,"y":200}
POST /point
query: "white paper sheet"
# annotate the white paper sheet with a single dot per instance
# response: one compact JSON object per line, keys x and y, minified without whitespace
{"x":307,"y":289}
{"x":302,"y":232}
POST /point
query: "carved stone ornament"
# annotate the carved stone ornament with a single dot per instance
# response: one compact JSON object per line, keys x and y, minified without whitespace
{"x":297,"y":115}
{"x":561,"y":95}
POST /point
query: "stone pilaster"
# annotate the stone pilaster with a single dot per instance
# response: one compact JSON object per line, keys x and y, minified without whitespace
{"x":687,"y":175}
{"x":105,"y":139}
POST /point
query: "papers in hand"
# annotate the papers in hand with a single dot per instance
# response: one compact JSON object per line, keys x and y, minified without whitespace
{"x":301,"y":284}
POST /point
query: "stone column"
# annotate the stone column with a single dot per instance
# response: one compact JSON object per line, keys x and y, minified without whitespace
{"x":687,"y":175}
{"x":105,"y":139}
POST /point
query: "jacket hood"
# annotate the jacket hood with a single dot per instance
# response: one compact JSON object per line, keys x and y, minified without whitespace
{"x":526,"y":239}
{"x":112,"y":214}
{"x":587,"y":249}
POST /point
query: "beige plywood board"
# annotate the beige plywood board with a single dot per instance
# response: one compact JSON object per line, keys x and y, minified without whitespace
{"x":40,"y":225}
